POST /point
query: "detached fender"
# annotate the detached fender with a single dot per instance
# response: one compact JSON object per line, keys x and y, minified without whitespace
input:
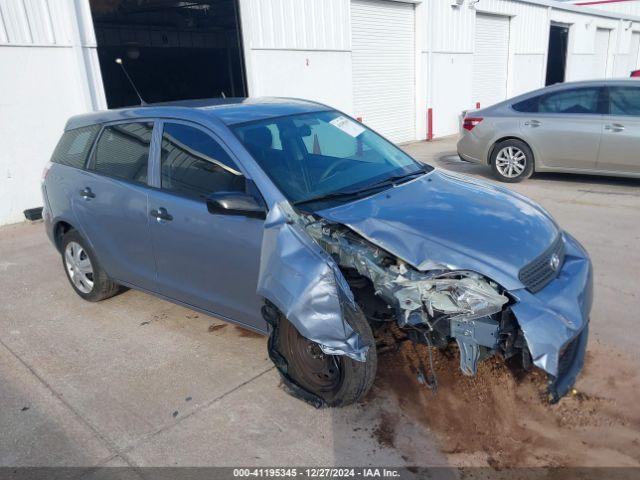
{"x":306,"y":285}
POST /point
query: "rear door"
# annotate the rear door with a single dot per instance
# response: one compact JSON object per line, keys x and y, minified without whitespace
{"x":564,"y":127}
{"x":620,"y":146}
{"x":110,"y":201}
{"x":209,"y":261}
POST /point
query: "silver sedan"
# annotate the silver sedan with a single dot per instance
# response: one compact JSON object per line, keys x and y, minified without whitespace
{"x":588,"y":127}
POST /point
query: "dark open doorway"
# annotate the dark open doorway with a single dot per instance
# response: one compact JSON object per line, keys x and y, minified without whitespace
{"x":557,"y":56}
{"x":173,"y":50}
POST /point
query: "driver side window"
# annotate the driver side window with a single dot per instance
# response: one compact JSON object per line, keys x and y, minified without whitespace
{"x":195,"y":165}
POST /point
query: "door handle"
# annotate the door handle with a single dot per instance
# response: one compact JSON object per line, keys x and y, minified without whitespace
{"x":614,"y":127}
{"x":533,"y":123}
{"x":86,"y":193}
{"x":161,"y":215}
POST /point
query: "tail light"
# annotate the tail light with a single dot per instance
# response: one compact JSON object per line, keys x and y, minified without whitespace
{"x":635,"y":73}
{"x":469,"y":123}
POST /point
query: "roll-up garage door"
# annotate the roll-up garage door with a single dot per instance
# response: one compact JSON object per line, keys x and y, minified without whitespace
{"x":490,"y":59}
{"x":634,"y":52}
{"x":601,"y":57}
{"x":383,"y":62}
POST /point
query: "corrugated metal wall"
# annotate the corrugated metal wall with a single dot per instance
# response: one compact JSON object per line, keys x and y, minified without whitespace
{"x":35,"y":22}
{"x":299,"y":24}
{"x":297,"y":48}
{"x":49,"y":72}
{"x":449,"y":46}
{"x":627,"y":7}
{"x":454,"y":28}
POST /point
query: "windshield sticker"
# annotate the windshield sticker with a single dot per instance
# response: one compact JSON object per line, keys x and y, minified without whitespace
{"x":347,"y":126}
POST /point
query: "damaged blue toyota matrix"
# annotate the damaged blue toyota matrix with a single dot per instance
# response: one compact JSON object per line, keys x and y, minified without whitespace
{"x":292,"y":219}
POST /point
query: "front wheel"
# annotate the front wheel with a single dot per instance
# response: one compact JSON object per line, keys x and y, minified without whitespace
{"x":336,"y":379}
{"x":512,"y":161}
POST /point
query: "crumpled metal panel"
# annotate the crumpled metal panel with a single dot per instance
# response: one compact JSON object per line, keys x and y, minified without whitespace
{"x":303,"y":281}
{"x":443,"y":220}
{"x":558,"y":313}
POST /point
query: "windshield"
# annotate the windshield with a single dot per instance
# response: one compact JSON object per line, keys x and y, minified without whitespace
{"x":324,"y":154}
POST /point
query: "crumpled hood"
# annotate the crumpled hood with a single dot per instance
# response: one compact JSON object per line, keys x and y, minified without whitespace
{"x":453,"y":221}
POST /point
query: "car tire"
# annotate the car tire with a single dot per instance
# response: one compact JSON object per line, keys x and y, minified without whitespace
{"x":86,"y":276}
{"x":512,"y":161}
{"x":336,"y":379}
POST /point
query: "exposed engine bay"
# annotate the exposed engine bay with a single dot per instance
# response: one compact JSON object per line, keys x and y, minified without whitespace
{"x":434,"y":307}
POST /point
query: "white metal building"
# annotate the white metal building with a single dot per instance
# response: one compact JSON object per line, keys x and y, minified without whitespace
{"x":387,"y":62}
{"x":626,"y":7}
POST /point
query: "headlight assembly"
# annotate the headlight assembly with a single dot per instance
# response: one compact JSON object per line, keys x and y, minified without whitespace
{"x":460,"y":295}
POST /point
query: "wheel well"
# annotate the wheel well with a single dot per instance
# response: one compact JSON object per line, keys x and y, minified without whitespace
{"x":60,"y":230}
{"x":502,"y":140}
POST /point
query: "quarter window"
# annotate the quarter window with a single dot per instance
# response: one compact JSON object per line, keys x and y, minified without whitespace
{"x":530,"y":105}
{"x":123,"y":151}
{"x":194,"y":164}
{"x":74,"y":146}
{"x":624,"y":101}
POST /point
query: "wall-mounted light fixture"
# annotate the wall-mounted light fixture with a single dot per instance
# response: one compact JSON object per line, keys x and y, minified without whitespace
{"x":457,"y":3}
{"x":628,"y":25}
{"x":473,"y":3}
{"x":588,"y":24}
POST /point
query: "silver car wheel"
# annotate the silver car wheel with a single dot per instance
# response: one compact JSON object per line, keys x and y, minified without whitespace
{"x":511,"y":162}
{"x":79,"y":267}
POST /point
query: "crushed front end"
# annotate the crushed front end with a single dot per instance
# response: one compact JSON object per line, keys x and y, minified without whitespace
{"x":543,"y":324}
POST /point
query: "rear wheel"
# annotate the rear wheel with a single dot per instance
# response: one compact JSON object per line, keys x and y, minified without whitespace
{"x":84,"y":272}
{"x":337,"y":379}
{"x":512,"y":161}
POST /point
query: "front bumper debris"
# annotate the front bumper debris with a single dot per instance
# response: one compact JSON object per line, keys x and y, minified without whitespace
{"x":555,"y":320}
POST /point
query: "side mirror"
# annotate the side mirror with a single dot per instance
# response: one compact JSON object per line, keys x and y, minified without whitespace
{"x":235,"y":203}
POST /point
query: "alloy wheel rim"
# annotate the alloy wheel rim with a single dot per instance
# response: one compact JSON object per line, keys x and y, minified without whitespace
{"x":79,"y":267}
{"x":511,"y":162}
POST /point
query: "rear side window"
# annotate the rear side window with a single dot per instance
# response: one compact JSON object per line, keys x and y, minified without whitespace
{"x":579,"y":100}
{"x":624,"y":101}
{"x":194,"y":164}
{"x":74,"y":146}
{"x":576,"y":100}
{"x":123,"y":151}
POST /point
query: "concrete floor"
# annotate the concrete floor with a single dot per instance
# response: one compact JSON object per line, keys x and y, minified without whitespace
{"x":138,"y":381}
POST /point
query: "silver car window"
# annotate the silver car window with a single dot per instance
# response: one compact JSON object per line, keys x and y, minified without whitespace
{"x":578,"y":100}
{"x":585,"y":100}
{"x":624,"y":101}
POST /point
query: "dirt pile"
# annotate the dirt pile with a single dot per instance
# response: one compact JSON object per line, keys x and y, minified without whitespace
{"x":503,"y":419}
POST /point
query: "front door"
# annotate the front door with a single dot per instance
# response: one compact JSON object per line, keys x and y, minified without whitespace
{"x":206,"y":260}
{"x":110,"y":201}
{"x":620,"y":146}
